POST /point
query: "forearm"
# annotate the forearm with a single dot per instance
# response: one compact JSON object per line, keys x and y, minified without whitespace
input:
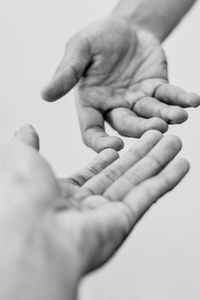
{"x":157,"y":16}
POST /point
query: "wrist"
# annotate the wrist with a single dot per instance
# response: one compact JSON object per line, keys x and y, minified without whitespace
{"x":135,"y":23}
{"x":138,"y":17}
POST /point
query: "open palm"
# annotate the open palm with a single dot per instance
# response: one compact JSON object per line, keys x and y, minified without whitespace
{"x":56,"y":230}
{"x":122,"y":79}
{"x":99,"y":205}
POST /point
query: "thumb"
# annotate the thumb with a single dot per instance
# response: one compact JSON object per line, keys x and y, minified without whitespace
{"x":76,"y":58}
{"x":27,"y":135}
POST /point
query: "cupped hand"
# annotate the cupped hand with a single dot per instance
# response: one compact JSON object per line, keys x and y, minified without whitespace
{"x":121,"y":76}
{"x":53,"y":231}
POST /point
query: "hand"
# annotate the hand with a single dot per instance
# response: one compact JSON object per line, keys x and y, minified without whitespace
{"x":123,"y":79}
{"x":54,"y":231}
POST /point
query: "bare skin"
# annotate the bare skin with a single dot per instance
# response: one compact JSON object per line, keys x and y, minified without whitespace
{"x":157,"y":16}
{"x":54,"y":231}
{"x":121,"y":77}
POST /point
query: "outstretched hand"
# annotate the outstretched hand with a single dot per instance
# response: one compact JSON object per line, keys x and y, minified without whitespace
{"x":122,"y":78}
{"x":53,"y":231}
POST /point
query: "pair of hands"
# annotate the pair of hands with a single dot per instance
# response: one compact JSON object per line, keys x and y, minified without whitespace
{"x":121,"y":77}
{"x":53,"y":231}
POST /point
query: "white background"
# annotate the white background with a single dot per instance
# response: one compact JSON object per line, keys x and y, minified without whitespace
{"x":161,"y":259}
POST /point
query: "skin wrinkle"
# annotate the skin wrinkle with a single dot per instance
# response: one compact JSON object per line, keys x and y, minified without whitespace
{"x":85,"y":229}
{"x":122,"y":57}
{"x":162,"y":111}
{"x":114,"y":173}
{"x":91,"y":235}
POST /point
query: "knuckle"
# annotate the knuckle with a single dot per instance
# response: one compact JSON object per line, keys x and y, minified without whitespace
{"x":156,"y":161}
{"x":167,"y":182}
{"x":136,"y":153}
{"x":133,"y":178}
{"x":112,"y":173}
{"x":93,"y":169}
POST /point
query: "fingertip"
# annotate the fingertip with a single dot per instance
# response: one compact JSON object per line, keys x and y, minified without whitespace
{"x":179,"y":169}
{"x":49,"y":92}
{"x":45,"y":94}
{"x":158,"y":124}
{"x":112,"y":142}
{"x":28,"y":135}
{"x":24,"y":130}
{"x":152,"y":134}
{"x":174,"y":140}
{"x":185,"y":164}
{"x":177,"y":115}
{"x":61,"y":83}
{"x":195,"y":100}
{"x":118,"y":144}
{"x":57,"y":87}
{"x":110,"y":154}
